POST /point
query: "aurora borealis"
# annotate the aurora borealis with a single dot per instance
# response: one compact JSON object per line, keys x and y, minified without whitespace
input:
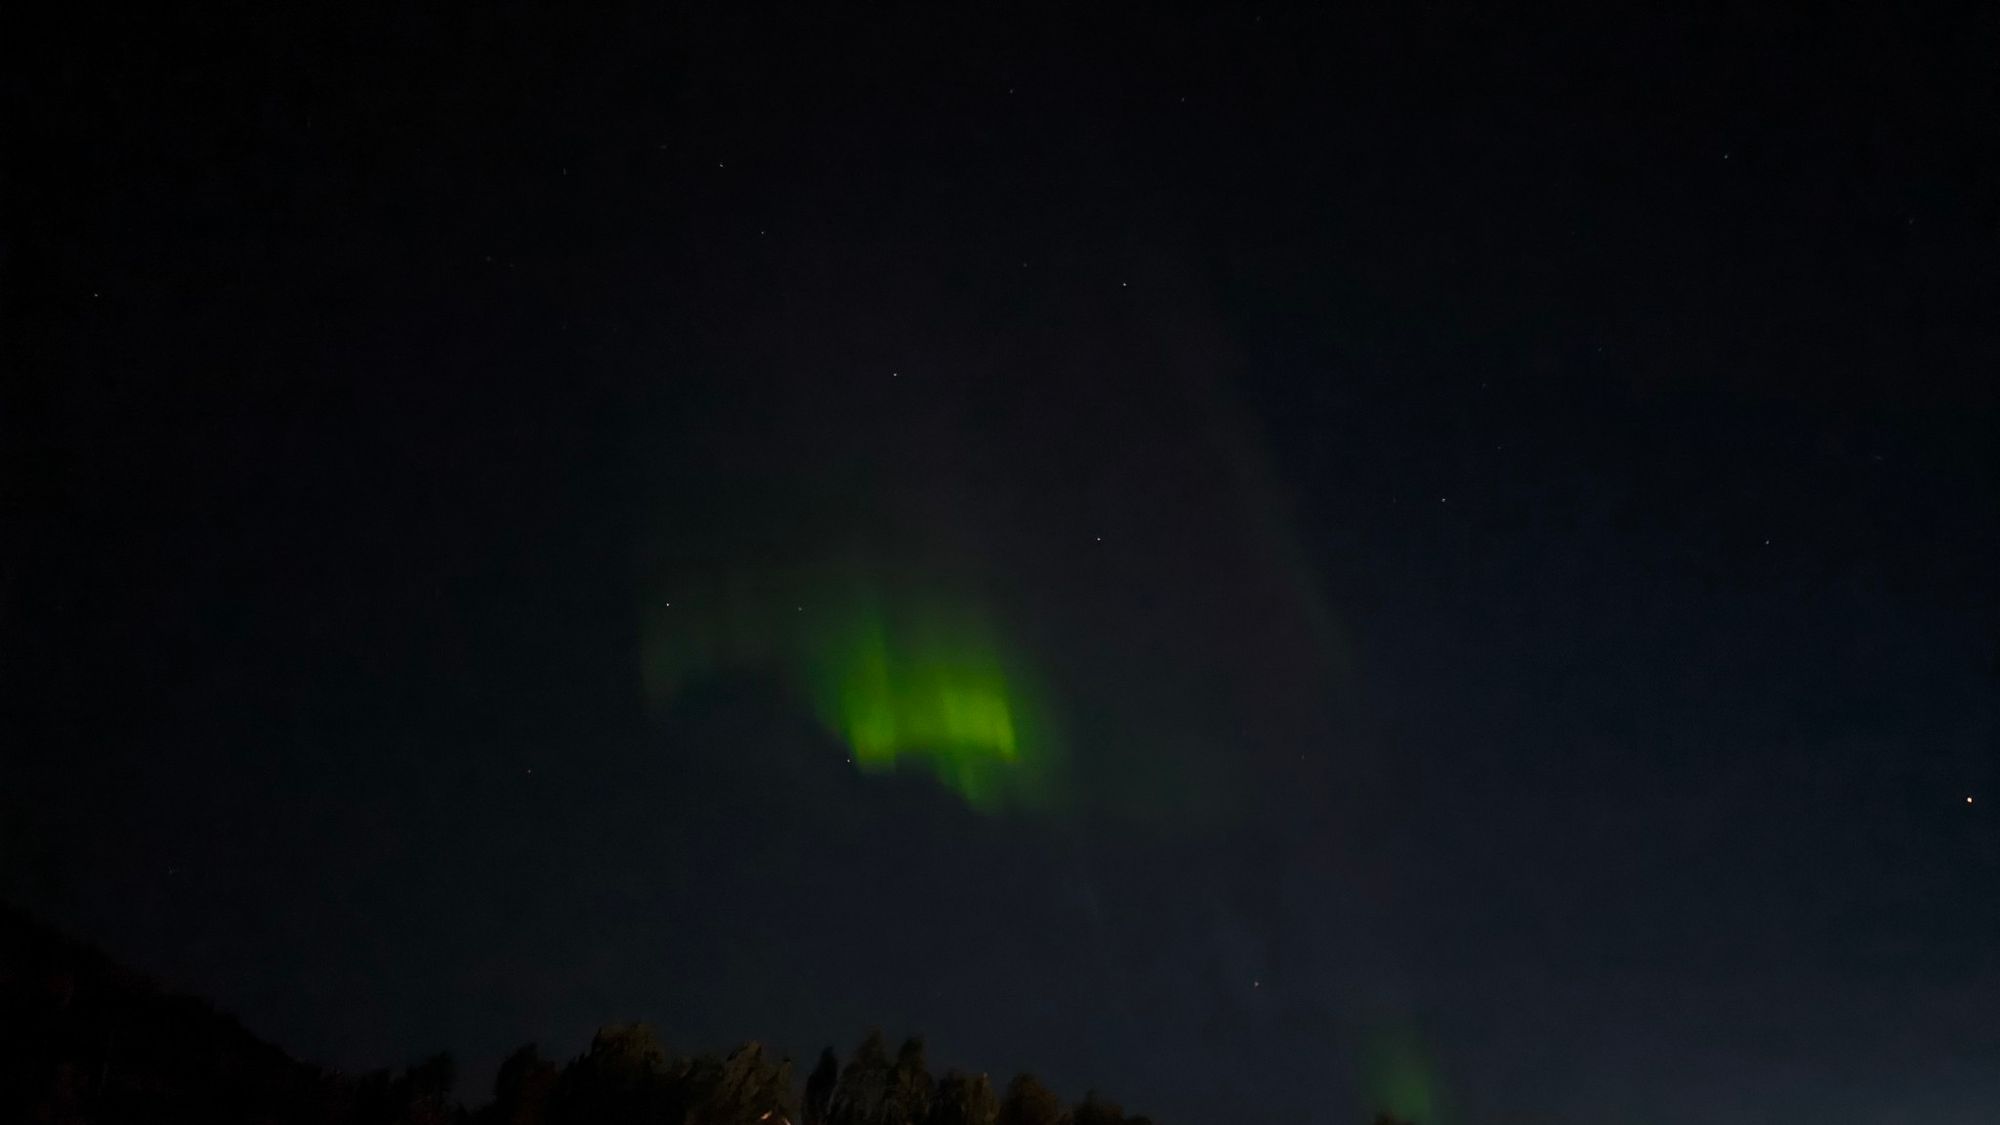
{"x":1278,"y":562}
{"x":961,"y":582}
{"x":1399,"y":1075}
{"x":935,"y":686}
{"x":906,"y":683}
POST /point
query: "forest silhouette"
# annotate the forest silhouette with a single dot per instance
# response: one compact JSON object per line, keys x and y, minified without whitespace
{"x":87,"y":1041}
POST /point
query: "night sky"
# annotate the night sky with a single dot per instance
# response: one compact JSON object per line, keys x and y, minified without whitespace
{"x":1270,"y":564}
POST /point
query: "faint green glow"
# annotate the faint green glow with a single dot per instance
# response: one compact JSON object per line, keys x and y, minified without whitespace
{"x":1400,"y":1079}
{"x":908,"y":682}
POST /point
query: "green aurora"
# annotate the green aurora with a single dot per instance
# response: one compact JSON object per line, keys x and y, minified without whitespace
{"x":1400,"y":1079}
{"x":914,"y":683}
{"x":933,"y":686}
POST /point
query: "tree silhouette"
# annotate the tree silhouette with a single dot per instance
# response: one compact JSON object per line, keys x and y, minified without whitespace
{"x":1095,"y":1111}
{"x":85,"y":1042}
{"x":965,"y":1099}
{"x":747,"y":1087}
{"x":819,"y":1089}
{"x":624,"y":1079}
{"x":424,"y":1092}
{"x":1028,"y":1102}
{"x":864,"y":1084}
{"x":521,"y":1089}
{"x":908,"y":1101}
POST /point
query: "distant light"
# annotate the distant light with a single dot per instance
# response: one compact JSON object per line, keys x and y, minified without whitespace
{"x":1968,"y":800}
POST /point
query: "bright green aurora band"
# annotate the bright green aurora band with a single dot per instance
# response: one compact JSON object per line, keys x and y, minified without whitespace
{"x":911,"y":683}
